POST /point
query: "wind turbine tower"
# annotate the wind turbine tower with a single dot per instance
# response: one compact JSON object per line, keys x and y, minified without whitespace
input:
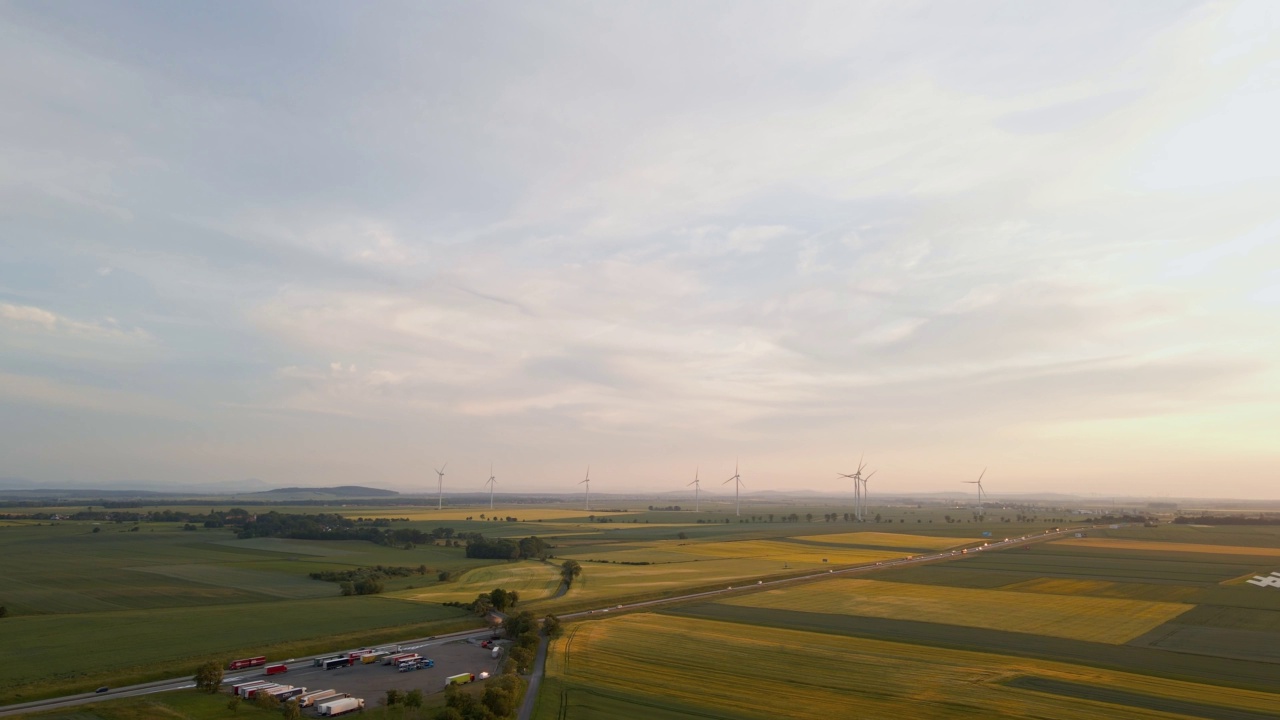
{"x":859,"y":489}
{"x":737,"y":487}
{"x":491,"y":482}
{"x":440,"y":488}
{"x":864,"y":493}
{"x":982,"y":510}
{"x":697,"y":485}
{"x":588,"y":484}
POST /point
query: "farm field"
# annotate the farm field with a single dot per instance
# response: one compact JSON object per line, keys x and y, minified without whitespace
{"x":905,"y":541}
{"x":533,"y":579}
{"x":187,"y":705}
{"x":640,"y":665}
{"x":1107,"y":543}
{"x":1106,"y":620}
{"x":99,"y":644}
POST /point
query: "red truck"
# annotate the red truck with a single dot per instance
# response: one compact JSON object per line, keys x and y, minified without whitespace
{"x":277,"y":669}
{"x":247,"y":662}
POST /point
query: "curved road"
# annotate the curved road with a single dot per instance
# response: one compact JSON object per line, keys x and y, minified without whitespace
{"x":531,"y":696}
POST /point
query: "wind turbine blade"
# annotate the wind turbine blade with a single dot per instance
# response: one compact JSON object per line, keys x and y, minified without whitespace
{"x":873,"y":472}
{"x":984,"y":472}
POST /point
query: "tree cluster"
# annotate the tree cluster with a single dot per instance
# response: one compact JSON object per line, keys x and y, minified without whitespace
{"x":1261,"y":519}
{"x":505,"y":549}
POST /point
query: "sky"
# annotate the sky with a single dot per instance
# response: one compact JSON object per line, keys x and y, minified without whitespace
{"x":322,"y":243}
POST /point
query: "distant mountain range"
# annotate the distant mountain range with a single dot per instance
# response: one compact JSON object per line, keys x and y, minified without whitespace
{"x":352,"y":491}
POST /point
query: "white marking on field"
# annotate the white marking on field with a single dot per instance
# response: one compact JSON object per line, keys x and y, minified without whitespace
{"x":1272,"y":581}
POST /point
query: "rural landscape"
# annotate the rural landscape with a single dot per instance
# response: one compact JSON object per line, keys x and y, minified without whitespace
{"x":950,"y":608}
{"x":574,"y":360}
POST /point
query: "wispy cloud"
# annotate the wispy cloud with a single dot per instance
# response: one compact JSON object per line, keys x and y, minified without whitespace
{"x":646,"y":236}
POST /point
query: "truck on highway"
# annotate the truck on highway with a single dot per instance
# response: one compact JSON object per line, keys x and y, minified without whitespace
{"x":459,"y":679}
{"x":340,"y":706}
{"x":247,"y":662}
{"x":276,"y":669}
{"x":315,"y":696}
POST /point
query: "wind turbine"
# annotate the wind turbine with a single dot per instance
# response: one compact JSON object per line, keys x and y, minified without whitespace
{"x":981,"y":509}
{"x":697,"y":485}
{"x":440,"y":499}
{"x":864,"y":491}
{"x":859,"y":488}
{"x":588,"y":483}
{"x":737,"y":486}
{"x":491,"y":482}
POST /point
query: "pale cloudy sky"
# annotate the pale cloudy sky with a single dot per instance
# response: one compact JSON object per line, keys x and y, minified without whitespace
{"x":323,"y":243}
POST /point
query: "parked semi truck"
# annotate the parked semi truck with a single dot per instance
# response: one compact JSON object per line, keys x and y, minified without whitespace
{"x":459,"y":679}
{"x":396,"y":658}
{"x":252,"y":692}
{"x":311,"y":698}
{"x":340,"y":706}
{"x":337,"y":662}
{"x":244,"y":687}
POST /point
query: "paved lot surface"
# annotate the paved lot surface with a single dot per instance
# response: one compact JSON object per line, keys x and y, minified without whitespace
{"x":372,"y":682}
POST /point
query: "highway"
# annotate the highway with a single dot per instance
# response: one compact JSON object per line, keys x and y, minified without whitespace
{"x":299,"y":672}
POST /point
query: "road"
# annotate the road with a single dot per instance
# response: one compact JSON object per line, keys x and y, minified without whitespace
{"x":304,"y":668}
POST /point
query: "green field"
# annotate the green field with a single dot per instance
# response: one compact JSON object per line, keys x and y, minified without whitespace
{"x":643,"y":666}
{"x":122,"y":604}
{"x":91,"y":646}
{"x":185,"y":705}
{"x":1108,"y":620}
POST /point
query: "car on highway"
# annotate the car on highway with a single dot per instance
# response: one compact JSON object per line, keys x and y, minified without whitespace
{"x":102,"y":689}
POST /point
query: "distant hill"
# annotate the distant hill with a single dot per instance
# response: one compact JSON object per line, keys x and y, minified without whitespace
{"x":351,"y":491}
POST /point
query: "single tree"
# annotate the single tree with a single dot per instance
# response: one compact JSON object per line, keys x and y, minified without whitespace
{"x":569,"y":571}
{"x":393,"y":697}
{"x":291,"y":711}
{"x":209,"y":676}
{"x":413,"y":699}
{"x":551,"y":624}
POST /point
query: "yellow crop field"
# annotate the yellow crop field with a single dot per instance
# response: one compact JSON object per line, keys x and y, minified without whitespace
{"x":1105,"y":588}
{"x":1107,"y":620}
{"x":1170,"y":547}
{"x":787,"y":552}
{"x":890,"y":540}
{"x":731,"y":670}
{"x":534,"y":580}
{"x":601,"y":581}
{"x":462,"y":513}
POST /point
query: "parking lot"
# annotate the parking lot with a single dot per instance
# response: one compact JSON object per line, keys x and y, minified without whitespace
{"x":372,"y":681}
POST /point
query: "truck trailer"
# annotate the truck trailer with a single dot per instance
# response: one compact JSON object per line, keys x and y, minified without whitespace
{"x":337,"y":662}
{"x":459,"y":679}
{"x":311,"y":698}
{"x":340,"y":706}
{"x":244,"y":686}
{"x":247,"y":662}
{"x":396,"y":658}
{"x":276,"y":669}
{"x":252,"y":692}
